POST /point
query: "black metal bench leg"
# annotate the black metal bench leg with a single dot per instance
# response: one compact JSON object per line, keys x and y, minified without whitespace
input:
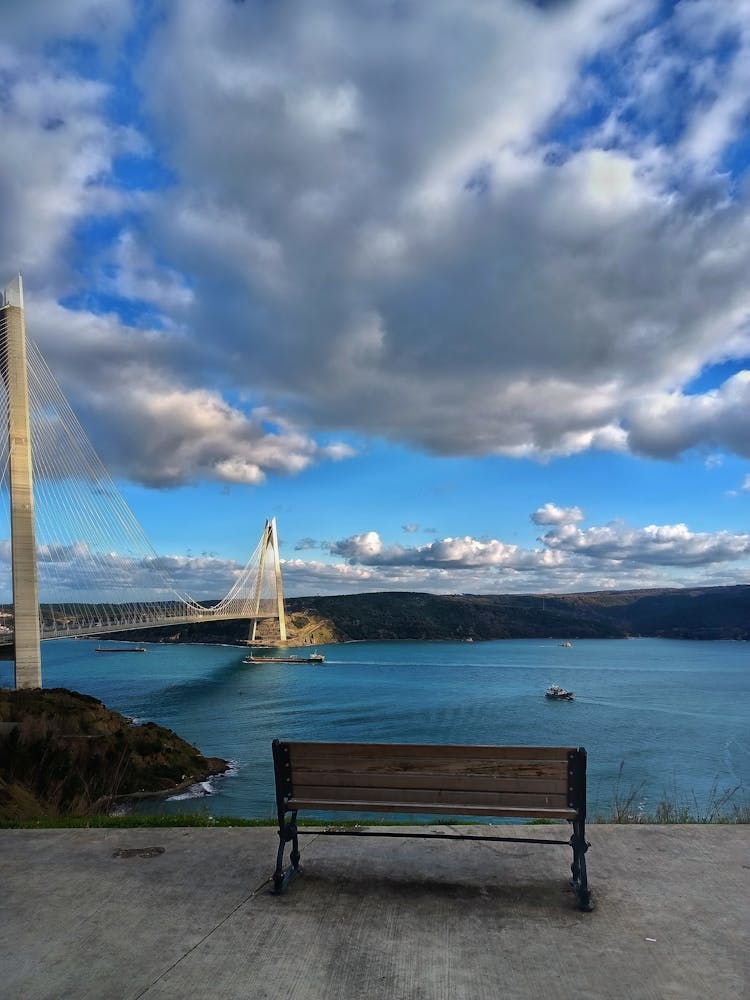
{"x":278,"y":875}
{"x":287,"y":833}
{"x":294,"y":853}
{"x":579,"y":880}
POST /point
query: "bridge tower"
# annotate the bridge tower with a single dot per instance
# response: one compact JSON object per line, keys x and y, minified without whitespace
{"x":270,"y":540}
{"x":28,"y":661}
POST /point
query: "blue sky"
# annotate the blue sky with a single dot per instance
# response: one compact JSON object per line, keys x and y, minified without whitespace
{"x":456,"y":291}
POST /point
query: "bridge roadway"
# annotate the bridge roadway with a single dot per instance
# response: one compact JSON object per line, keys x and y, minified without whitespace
{"x":165,"y":914}
{"x":82,"y":631}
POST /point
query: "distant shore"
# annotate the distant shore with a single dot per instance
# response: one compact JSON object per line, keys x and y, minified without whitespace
{"x":690,"y":613}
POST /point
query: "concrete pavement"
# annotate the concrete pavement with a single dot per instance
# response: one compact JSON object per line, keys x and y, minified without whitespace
{"x":168,"y":913}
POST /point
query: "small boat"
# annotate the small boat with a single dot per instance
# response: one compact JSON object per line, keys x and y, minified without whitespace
{"x":120,"y":649}
{"x":315,"y":657}
{"x":566,"y":643}
{"x":556,"y":693}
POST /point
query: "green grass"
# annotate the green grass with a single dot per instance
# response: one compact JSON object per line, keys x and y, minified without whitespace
{"x":127,"y":822}
{"x":721,"y":805}
{"x":197,"y":820}
{"x":666,"y":812}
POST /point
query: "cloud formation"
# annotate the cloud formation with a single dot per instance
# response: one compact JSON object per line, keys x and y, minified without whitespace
{"x":569,"y":558}
{"x":77,"y":572}
{"x":368,"y":221}
{"x":460,"y":243}
{"x":550,"y":513}
{"x":447,"y":553}
{"x":662,"y":545}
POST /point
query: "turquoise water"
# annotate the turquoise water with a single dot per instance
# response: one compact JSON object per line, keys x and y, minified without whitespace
{"x":676,"y":713}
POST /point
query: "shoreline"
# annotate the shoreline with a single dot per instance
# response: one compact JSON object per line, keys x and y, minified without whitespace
{"x":437,"y":641}
{"x":219,"y":767}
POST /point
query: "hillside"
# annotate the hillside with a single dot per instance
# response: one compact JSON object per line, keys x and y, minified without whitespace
{"x":432,"y":616}
{"x":694,"y":613}
{"x":63,"y":753}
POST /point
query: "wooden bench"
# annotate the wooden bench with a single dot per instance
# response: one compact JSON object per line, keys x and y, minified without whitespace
{"x":481,"y":781}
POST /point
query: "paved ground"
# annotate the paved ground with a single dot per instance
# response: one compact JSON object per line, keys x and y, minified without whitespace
{"x":108,"y":914}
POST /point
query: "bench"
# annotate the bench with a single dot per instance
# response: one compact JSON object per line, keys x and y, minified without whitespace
{"x":479,"y":781}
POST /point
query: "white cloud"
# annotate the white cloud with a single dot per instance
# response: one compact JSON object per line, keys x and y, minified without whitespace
{"x":158,"y":428}
{"x":570,"y":558}
{"x":374,"y":225}
{"x":719,"y":118}
{"x":77,"y":571}
{"x":428,"y":276}
{"x":58,"y":146}
{"x":56,"y":153}
{"x":138,"y":276}
{"x":550,"y":513}
{"x":168,"y":435}
{"x":662,"y":545}
{"x":608,"y":183}
{"x":663,"y":425}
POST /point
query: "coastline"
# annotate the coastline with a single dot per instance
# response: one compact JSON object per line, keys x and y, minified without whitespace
{"x":217,"y":767}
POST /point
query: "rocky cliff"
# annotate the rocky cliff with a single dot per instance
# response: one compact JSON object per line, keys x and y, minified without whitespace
{"x":63,"y":753}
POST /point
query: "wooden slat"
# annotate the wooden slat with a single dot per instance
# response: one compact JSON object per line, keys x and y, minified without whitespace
{"x":304,"y":778}
{"x":416,"y":750}
{"x":447,"y":799}
{"x":358,"y":805}
{"x":434,"y":764}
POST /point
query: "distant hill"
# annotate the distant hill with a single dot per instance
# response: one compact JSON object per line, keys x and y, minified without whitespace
{"x":695,"y":613}
{"x":692,"y":613}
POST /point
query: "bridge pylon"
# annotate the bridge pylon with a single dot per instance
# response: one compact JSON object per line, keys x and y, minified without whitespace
{"x":270,"y":540}
{"x":77,"y":510}
{"x":13,"y":369}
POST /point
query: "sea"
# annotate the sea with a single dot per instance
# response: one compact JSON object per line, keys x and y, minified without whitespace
{"x":658,"y":717}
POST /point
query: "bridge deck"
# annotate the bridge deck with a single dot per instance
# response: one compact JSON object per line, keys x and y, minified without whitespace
{"x":103,"y":628}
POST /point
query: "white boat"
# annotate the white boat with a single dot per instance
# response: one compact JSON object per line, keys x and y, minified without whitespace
{"x":566,"y":643}
{"x":556,"y":693}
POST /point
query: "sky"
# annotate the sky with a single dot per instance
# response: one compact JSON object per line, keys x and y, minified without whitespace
{"x":457,"y":291}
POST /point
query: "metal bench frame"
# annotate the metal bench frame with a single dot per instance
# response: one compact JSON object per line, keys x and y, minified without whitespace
{"x":286,"y":803}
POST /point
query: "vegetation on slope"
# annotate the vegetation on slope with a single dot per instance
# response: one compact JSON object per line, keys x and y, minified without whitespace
{"x":459,"y":616}
{"x":694,"y":613}
{"x":66,"y":754}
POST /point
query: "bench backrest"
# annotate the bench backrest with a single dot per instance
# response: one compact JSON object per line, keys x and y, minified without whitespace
{"x":469,"y":780}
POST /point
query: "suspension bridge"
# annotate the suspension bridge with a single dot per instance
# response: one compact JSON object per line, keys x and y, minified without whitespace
{"x":74,"y":561}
